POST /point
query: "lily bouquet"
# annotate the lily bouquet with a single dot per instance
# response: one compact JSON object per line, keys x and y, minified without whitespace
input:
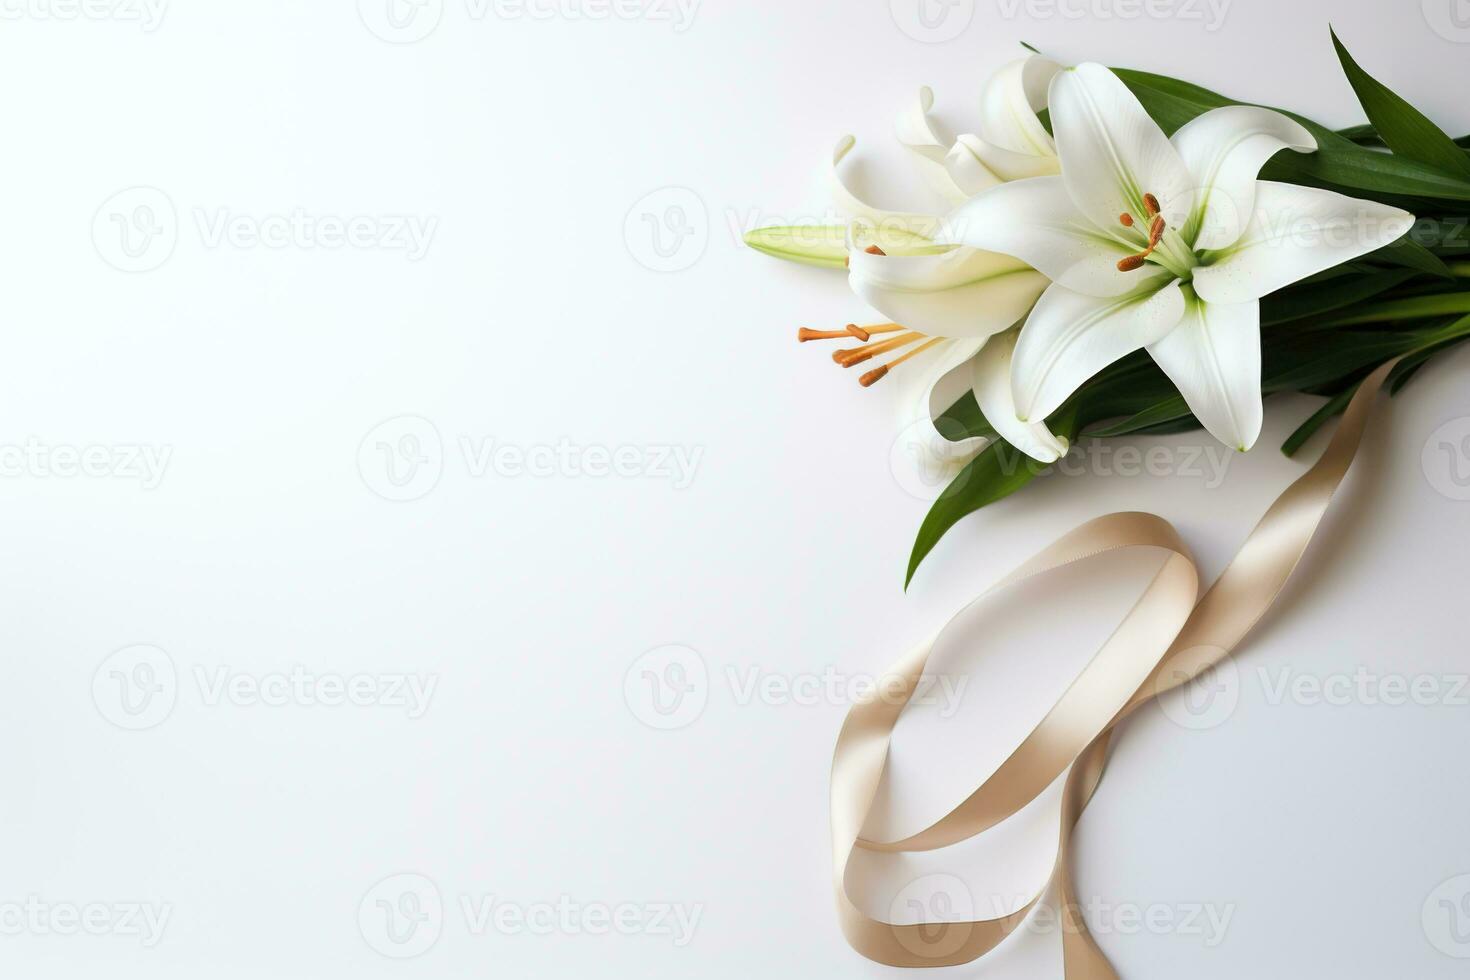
{"x":1130,"y":253}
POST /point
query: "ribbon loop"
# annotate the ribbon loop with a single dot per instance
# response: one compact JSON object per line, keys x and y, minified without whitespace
{"x":1167,"y":638}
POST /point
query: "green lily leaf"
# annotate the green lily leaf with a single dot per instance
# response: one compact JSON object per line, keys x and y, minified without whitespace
{"x":1366,"y":134}
{"x":1420,"y":350}
{"x":999,"y":471}
{"x":1405,"y":130}
{"x":1338,"y":162}
{"x":1324,"y":297}
{"x":1407,"y":252}
{"x":1306,"y":362}
{"x":1440,"y":304}
{"x":964,"y":420}
{"x":1160,"y":413}
{"x":1307,"y":429}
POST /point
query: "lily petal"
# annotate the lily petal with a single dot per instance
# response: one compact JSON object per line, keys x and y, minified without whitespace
{"x":1112,"y":152}
{"x":871,"y":221}
{"x":1214,"y":359}
{"x":1009,"y":105}
{"x":939,"y":380}
{"x":1224,"y":150}
{"x":962,"y":292}
{"x":970,"y":154}
{"x":1070,"y":336}
{"x":945,"y":378}
{"x":1295,"y":232}
{"x":916,"y":131}
{"x":992,"y":381}
{"x":1035,"y":220}
{"x":969,"y":169}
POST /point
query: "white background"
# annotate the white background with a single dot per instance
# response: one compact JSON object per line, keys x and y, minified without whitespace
{"x":537,"y":316}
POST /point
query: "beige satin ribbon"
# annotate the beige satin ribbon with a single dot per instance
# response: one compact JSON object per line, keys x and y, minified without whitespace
{"x":1164,"y":641}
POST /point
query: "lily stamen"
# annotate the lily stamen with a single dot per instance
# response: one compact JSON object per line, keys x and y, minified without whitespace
{"x":1156,"y":231}
{"x":878,"y":373}
{"x":871,"y":250}
{"x":803,"y":334}
{"x":857,"y":355}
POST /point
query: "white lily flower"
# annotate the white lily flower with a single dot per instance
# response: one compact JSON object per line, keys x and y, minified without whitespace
{"x":1165,"y":244}
{"x":951,"y":299}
